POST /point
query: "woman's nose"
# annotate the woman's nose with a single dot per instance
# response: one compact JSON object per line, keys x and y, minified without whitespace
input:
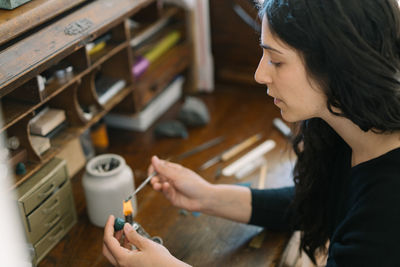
{"x":262,"y":74}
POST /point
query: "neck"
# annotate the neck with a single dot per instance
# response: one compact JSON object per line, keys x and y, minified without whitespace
{"x":364,"y":145}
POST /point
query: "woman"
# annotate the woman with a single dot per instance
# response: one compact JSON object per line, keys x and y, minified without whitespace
{"x":333,"y":66}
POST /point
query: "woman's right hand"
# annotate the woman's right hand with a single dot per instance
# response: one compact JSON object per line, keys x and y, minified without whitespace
{"x":183,"y":187}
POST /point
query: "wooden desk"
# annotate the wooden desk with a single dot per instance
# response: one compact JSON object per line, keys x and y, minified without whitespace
{"x":202,"y":240}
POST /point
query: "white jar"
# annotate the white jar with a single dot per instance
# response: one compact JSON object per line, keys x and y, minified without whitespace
{"x":108,"y":181}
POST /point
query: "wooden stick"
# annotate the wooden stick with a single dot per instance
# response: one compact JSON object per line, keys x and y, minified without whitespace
{"x":263,"y":175}
{"x":240,"y":147}
{"x":249,"y":157}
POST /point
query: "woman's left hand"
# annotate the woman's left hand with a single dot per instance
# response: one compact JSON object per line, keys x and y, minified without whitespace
{"x":148,"y":252}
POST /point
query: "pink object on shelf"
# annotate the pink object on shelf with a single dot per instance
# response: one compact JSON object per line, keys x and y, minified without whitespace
{"x":140,"y":66}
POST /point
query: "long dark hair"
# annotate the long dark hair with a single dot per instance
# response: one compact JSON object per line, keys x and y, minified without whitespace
{"x":352,"y":49}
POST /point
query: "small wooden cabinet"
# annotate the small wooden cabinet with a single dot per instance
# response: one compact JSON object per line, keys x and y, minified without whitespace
{"x":43,"y":35}
{"x":46,"y":206}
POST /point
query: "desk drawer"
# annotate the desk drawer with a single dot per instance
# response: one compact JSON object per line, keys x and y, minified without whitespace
{"x":55,"y":234}
{"x":50,"y":212}
{"x":42,"y":184}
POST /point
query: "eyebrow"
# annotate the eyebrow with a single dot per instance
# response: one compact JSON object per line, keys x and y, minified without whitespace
{"x":267,"y":47}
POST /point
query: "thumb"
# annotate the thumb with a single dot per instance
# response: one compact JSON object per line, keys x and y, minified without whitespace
{"x":134,"y":238}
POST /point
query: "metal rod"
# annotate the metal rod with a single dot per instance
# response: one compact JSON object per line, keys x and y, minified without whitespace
{"x":142,"y":185}
{"x":201,"y":147}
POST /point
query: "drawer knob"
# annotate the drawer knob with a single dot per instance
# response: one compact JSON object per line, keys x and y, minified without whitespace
{"x":52,"y":207}
{"x":47,"y":192}
{"x":58,"y":234}
{"x":52,"y":222}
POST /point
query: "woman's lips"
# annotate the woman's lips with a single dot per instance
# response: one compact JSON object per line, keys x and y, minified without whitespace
{"x":277,"y":101}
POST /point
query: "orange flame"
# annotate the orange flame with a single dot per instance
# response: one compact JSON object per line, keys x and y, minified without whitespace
{"x":127,"y":208}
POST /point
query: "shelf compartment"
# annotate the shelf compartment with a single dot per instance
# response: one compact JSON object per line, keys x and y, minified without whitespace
{"x":79,"y":63}
{"x":68,"y":101}
{"x":150,"y":25}
{"x":112,"y":77}
{"x":165,"y":69}
{"x":113,"y":42}
{"x":87,"y":98}
{"x":19,"y":103}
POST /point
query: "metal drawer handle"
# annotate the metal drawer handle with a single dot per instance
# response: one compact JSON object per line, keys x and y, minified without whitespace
{"x":47,"y":192}
{"x":57,"y":235}
{"x":51,"y":223}
{"x":52,"y":207}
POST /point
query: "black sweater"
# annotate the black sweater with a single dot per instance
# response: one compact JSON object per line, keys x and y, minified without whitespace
{"x":364,"y":207}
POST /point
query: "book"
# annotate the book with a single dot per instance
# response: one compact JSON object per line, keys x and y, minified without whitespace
{"x":107,"y":87}
{"x":163,"y":46}
{"x":149,"y":32}
{"x":46,"y":121}
{"x":143,"y":120}
{"x":40,"y":144}
{"x":57,"y":130}
{"x":98,"y":44}
{"x":166,"y":43}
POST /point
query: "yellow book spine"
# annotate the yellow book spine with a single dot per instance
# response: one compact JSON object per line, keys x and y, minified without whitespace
{"x":97,"y":48}
{"x":166,"y":43}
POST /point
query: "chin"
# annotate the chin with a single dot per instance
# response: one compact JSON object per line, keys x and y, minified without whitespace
{"x":290,"y":117}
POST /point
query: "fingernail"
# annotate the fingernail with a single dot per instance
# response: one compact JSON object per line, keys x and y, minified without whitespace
{"x":157,"y":160}
{"x":128,"y":227}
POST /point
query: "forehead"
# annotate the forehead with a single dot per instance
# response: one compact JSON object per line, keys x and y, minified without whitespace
{"x":271,"y":39}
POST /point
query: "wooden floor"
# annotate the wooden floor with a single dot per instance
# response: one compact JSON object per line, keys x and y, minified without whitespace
{"x":236,"y":113}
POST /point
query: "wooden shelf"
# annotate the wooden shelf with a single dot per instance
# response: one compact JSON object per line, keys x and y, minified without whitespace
{"x":44,"y":52}
{"x":106,"y":53}
{"x":58,"y":142}
{"x":14,"y":111}
{"x":15,"y":22}
{"x":50,"y":44}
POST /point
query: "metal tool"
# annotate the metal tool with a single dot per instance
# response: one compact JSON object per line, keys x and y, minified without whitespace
{"x":142,"y":185}
{"x":210,"y":162}
{"x":201,"y":147}
{"x":197,"y":149}
{"x":231,"y":152}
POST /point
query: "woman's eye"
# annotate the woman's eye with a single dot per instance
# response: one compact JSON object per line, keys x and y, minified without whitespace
{"x":276,"y":64}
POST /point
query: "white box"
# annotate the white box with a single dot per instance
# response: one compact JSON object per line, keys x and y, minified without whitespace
{"x":144,"y":119}
{"x":46,"y":121}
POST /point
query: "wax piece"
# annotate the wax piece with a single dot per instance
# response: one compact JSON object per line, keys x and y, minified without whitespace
{"x":183,"y":212}
{"x":171,"y":128}
{"x":194,"y":112}
{"x":196,"y":213}
{"x":20,"y":169}
{"x":118,"y":224}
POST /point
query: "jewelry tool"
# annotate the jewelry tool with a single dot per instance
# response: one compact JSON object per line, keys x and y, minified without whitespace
{"x":254,"y":154}
{"x":142,"y":185}
{"x":197,"y":149}
{"x":231,"y":152}
{"x":201,"y":147}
